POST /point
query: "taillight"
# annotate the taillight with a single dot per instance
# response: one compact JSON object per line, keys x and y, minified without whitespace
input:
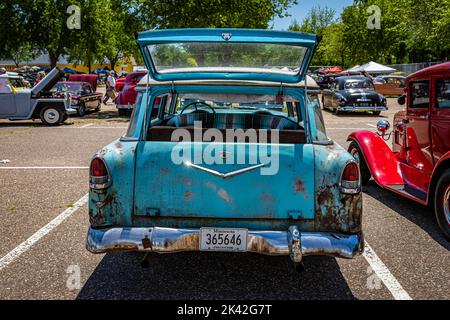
{"x":350,"y":179}
{"x":99,"y":177}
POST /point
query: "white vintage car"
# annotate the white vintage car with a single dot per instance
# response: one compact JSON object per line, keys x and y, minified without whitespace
{"x":34,"y":103}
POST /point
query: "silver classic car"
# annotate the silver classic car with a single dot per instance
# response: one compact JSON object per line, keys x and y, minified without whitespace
{"x":34,"y":103}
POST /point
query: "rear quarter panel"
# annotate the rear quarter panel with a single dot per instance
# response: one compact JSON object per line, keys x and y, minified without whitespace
{"x":119,"y":158}
{"x":334,"y":211}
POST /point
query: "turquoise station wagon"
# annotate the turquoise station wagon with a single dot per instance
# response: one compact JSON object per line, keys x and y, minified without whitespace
{"x":226,"y":151}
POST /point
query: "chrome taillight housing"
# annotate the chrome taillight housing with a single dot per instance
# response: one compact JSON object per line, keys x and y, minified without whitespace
{"x":98,"y":174}
{"x":350,"y":179}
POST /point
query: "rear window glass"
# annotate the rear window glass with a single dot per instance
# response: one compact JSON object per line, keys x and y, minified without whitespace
{"x":199,"y":56}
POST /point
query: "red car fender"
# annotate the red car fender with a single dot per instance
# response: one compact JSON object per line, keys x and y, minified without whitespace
{"x":441,"y":165}
{"x":380,"y":159}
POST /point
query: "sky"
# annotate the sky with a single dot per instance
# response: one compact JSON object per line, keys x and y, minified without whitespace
{"x":300,"y":10}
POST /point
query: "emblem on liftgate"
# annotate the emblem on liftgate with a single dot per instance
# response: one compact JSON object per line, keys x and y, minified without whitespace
{"x":226,"y":36}
{"x":224,"y":155}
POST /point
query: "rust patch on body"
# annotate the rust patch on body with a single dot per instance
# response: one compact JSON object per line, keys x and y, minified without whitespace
{"x":224,"y":195}
{"x":266,"y":197}
{"x":186,"y":181}
{"x":299,"y":186}
{"x":188,"y":195}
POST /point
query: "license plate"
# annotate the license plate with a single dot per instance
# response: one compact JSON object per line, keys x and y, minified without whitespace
{"x":223,"y":239}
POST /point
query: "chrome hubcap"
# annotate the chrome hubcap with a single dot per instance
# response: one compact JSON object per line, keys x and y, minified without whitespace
{"x":446,"y":204}
{"x":51,"y":115}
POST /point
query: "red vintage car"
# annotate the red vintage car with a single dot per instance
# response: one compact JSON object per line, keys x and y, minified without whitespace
{"x":418,"y":166}
{"x":127,"y":97}
{"x":119,"y":84}
{"x":82,"y":94}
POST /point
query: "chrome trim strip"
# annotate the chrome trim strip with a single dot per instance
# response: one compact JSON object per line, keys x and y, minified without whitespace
{"x":168,"y":240}
{"x":223,"y":175}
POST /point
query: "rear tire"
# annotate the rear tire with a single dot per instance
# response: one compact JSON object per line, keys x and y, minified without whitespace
{"x":51,"y":116}
{"x":81,"y":110}
{"x":122,"y":112}
{"x":376,"y":113}
{"x":442,"y":203}
{"x":356,"y":152}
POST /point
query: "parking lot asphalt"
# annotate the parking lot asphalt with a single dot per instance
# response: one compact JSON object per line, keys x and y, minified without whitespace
{"x":43,"y":219}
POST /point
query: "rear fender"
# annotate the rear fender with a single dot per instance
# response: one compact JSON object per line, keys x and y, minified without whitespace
{"x":113,"y":206}
{"x":380,"y":159}
{"x":439,"y":168}
{"x":334,"y":210}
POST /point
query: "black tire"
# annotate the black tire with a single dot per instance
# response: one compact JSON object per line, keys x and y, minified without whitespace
{"x":376,"y":113}
{"x":122,"y":112}
{"x":356,"y":152}
{"x":442,"y":203}
{"x":52,"y":116}
{"x":65,"y":117}
{"x":81,"y":110}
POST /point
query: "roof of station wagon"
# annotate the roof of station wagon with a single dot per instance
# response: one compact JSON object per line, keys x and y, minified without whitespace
{"x":312,"y":84}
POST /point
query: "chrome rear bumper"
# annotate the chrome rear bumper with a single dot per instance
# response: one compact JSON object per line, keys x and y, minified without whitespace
{"x":165,"y":240}
{"x":362,"y":108}
{"x":125,"y":106}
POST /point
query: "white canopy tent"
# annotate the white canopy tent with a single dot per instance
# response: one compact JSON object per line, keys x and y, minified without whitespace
{"x":372,"y":67}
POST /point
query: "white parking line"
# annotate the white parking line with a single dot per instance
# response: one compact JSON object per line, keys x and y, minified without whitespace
{"x":90,"y":127}
{"x":87,"y":125}
{"x":27,"y":244}
{"x":347,"y":128}
{"x":372,"y":125}
{"x":385,"y":275}
{"x":40,"y":168}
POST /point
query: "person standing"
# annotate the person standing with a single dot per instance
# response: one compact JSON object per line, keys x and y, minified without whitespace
{"x":40,"y":76}
{"x":110,"y":87}
{"x":5,"y":84}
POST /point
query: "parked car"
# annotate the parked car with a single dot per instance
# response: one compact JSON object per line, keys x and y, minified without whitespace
{"x":389,"y":85}
{"x":127,"y":96}
{"x":418,"y":166}
{"x":325,"y":81}
{"x":119,"y":84}
{"x":17,"y":81}
{"x":277,"y":185}
{"x":353,"y":94}
{"x":92,"y":79}
{"x":36,"y":102}
{"x":83,"y":95}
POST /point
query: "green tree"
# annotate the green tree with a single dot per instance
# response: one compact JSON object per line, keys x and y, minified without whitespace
{"x":93,"y":39}
{"x":317,"y":20}
{"x":15,"y":40}
{"x":332,"y":49}
{"x":125,"y":23}
{"x":47,"y":25}
{"x":164,"y":14}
